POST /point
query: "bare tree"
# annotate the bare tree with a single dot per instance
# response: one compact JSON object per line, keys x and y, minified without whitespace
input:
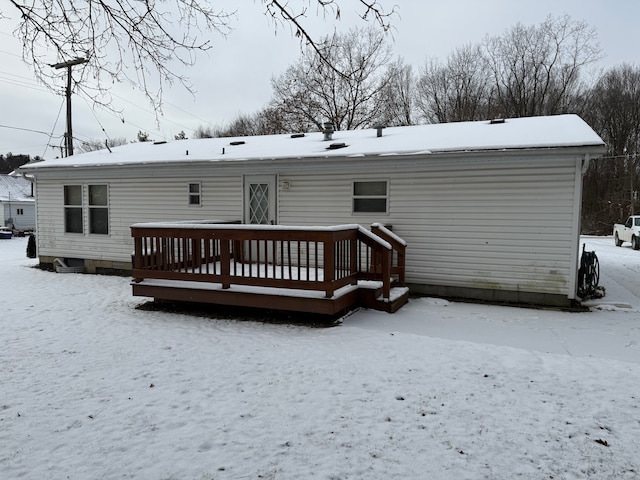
{"x":455,"y":91}
{"x":343,"y":85}
{"x":264,"y":122}
{"x":241,"y":126}
{"x":146,"y":42}
{"x":612,"y":183}
{"x":92,"y":145}
{"x":536,"y":69}
{"x":204,"y":132}
{"x":397,"y":96}
{"x":614,"y":109}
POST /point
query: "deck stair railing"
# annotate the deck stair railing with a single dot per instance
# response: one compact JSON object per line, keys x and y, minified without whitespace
{"x":306,"y":258}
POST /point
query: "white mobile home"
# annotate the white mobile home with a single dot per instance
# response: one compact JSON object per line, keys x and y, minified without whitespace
{"x":17,"y":203}
{"x":489,"y":210}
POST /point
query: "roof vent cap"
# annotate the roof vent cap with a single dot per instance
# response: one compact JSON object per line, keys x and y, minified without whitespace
{"x":379,"y":129}
{"x":328,"y":130}
{"x":496,"y":121}
{"x":336,"y":146}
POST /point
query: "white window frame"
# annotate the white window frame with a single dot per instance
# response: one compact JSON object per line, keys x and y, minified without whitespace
{"x":355,"y":197}
{"x":91,"y":208}
{"x":192,"y":195}
{"x":74,"y":206}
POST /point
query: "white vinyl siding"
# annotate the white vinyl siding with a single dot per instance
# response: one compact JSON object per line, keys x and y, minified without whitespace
{"x":11,"y":212}
{"x":131,"y":200}
{"x":504,"y":224}
{"x":494,"y":221}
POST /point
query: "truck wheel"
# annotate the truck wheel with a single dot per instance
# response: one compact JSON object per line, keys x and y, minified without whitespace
{"x":617,"y":240}
{"x":635,"y":244}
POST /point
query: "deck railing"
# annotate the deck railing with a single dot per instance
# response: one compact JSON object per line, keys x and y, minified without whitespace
{"x":307,"y":258}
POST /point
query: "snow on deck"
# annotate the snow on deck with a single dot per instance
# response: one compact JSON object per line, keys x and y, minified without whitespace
{"x":520,"y":133}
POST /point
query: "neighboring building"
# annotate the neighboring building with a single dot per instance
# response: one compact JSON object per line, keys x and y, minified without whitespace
{"x":489,"y":210}
{"x":17,"y":203}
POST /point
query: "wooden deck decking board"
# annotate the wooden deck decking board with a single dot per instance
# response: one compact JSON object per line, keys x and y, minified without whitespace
{"x":254,"y":298}
{"x":283,"y":299}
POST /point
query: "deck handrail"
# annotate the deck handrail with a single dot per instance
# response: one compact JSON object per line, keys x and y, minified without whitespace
{"x":307,"y":258}
{"x":399,"y":247}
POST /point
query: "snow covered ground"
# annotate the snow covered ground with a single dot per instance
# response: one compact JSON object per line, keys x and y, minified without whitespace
{"x":91,"y":387}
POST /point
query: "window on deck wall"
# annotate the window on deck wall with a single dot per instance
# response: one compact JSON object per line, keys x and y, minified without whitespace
{"x":194,"y":194}
{"x":73,"y":209}
{"x":370,"y":197}
{"x":99,"y":209}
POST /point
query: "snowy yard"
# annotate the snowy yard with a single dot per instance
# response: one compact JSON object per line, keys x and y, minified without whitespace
{"x":92,"y":387}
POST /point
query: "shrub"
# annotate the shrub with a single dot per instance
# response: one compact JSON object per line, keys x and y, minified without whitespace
{"x":31,"y":246}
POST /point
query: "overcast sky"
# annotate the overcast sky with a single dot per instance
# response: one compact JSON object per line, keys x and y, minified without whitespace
{"x":234,"y":77}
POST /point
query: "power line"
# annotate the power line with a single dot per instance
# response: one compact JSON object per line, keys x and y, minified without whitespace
{"x":53,"y":128}
{"x":21,"y":83}
{"x":149,"y":111}
{"x":26,"y":130}
{"x":9,"y":53}
{"x":189,"y":113}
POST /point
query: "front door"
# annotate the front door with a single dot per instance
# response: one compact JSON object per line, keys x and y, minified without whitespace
{"x":259,"y":209}
{"x":260,"y":199}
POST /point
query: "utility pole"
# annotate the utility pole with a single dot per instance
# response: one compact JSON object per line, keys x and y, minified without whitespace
{"x":68,"y":137}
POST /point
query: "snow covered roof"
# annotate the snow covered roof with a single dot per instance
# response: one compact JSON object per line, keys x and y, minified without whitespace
{"x":15,"y":189}
{"x":518,"y":133}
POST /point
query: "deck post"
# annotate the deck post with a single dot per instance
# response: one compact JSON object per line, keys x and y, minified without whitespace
{"x":329,"y":263}
{"x":353,"y":256}
{"x":385,"y":257}
{"x":225,"y":263}
{"x":137,"y":255}
{"x":400,"y":249}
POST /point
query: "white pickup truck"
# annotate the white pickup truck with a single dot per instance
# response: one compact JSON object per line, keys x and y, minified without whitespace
{"x":629,"y":232}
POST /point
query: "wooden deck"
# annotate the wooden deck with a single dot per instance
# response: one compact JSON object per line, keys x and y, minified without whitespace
{"x":307,"y":269}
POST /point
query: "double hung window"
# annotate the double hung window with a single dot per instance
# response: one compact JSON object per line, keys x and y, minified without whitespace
{"x":95,"y":205}
{"x":370,"y":197}
{"x":73,"y":209}
{"x":98,"y":209}
{"x":195,"y":198}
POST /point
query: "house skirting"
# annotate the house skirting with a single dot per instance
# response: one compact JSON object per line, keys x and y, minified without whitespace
{"x":493,"y":296}
{"x":101,"y":267}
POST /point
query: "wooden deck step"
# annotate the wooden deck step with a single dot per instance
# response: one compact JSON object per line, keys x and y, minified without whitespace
{"x":365,"y":294}
{"x":372,"y":298}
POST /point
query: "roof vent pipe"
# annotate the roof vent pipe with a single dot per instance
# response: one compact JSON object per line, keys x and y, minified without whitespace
{"x":328,"y":130}
{"x":379,"y":129}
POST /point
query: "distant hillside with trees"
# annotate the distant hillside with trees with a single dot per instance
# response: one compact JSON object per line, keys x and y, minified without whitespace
{"x":9,"y":162}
